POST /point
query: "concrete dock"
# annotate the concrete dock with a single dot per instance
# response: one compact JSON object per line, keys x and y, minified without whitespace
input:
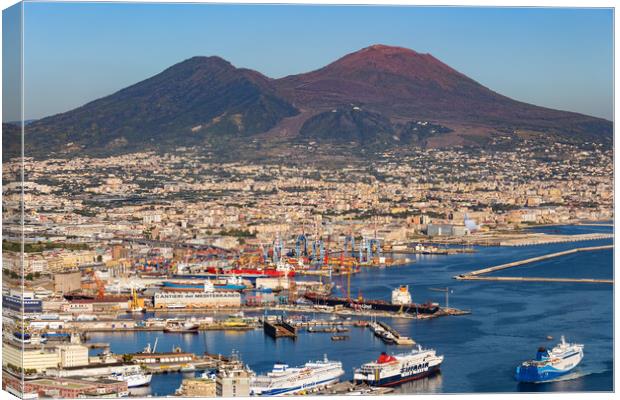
{"x":476,"y":274}
{"x":534,"y":279}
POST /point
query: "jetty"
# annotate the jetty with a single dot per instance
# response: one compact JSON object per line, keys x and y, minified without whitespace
{"x":549,"y":239}
{"x":397,"y":337}
{"x":512,"y":239}
{"x":476,"y":274}
{"x":535,"y":279}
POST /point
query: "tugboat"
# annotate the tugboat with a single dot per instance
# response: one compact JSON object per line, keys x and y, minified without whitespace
{"x":550,"y":364}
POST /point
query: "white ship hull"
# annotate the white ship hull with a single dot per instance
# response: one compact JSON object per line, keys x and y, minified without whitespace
{"x":134,"y":379}
{"x":285,"y":381}
{"x":395,"y":370}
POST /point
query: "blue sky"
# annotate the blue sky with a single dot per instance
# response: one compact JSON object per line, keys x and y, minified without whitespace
{"x":75,"y":53}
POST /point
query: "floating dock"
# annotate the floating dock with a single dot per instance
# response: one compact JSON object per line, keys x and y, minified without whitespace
{"x":279,"y":329}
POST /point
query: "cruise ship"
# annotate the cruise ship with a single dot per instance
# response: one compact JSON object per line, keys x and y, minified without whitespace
{"x":550,"y":364}
{"x":392,"y":370}
{"x":283,"y":380}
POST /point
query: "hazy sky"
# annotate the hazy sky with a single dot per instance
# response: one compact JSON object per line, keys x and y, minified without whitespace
{"x":75,"y":53}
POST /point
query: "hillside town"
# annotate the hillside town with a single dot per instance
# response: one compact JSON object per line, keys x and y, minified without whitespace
{"x":82,"y":207}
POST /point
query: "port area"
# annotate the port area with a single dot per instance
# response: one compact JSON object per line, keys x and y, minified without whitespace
{"x":478,"y":274}
{"x":313,"y":309}
{"x":346,"y":317}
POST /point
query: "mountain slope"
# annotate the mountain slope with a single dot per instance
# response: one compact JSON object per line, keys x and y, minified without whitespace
{"x":11,"y":140}
{"x":184,"y":104}
{"x":404,"y":84}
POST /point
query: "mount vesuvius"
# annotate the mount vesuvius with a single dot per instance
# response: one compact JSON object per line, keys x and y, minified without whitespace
{"x":380,"y":94}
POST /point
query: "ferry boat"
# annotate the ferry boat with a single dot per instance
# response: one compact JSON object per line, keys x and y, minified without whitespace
{"x":550,"y":364}
{"x":134,"y":377}
{"x":284,"y":380}
{"x":392,"y":370}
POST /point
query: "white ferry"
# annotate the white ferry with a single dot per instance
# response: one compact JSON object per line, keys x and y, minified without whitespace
{"x":285,"y":380}
{"x":391,"y":370}
{"x":134,"y":377}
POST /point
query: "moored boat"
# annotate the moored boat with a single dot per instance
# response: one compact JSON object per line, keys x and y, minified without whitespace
{"x":399,"y":297}
{"x":134,"y":377}
{"x":392,"y":370}
{"x":181,"y":327}
{"x":283,"y":380}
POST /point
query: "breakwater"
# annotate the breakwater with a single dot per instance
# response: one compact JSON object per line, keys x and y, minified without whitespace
{"x":476,"y":274}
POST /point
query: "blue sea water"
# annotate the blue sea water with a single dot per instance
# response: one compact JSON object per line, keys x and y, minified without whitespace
{"x":509,"y":321}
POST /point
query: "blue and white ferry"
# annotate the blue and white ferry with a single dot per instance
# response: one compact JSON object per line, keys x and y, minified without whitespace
{"x":550,"y":364}
{"x":284,"y":380}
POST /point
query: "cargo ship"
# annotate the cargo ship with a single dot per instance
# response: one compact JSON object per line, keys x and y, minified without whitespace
{"x":550,"y":364}
{"x":376,"y":305}
{"x":392,"y":370}
{"x":284,"y":380}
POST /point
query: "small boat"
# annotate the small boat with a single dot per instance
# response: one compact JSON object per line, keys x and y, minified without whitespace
{"x":550,"y":364}
{"x":208,"y":375}
{"x":342,"y":329}
{"x":177,"y":327}
{"x":340,"y":337}
{"x":188,"y":368}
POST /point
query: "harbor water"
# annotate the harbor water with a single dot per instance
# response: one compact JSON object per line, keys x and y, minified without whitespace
{"x":509,"y":321}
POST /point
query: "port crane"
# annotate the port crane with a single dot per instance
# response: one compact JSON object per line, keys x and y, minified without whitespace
{"x":100,"y":287}
{"x":446,"y":290}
